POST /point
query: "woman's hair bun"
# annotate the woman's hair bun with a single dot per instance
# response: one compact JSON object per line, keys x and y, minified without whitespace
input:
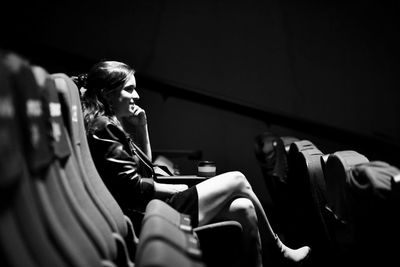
{"x":80,"y":80}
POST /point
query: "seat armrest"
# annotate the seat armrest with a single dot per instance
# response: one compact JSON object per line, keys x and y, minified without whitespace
{"x":189,"y":180}
{"x":228,"y":225}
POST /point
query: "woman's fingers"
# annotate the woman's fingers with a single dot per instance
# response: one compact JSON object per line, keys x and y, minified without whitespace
{"x":137,"y":115}
{"x":137,"y":110}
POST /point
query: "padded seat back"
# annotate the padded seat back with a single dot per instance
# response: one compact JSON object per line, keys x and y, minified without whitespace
{"x":308,"y":190}
{"x":88,"y":214}
{"x":370,"y":216}
{"x":160,"y":208}
{"x":112,"y":212}
{"x":163,"y":242}
{"x":158,"y":253}
{"x":271,"y":153}
{"x":62,"y":227}
{"x":70,"y":94}
{"x":337,"y":169}
{"x":15,"y":249}
{"x":220,"y":243}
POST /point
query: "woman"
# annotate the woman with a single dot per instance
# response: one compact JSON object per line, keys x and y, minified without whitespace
{"x":119,"y":141}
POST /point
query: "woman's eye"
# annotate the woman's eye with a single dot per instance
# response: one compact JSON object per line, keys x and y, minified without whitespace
{"x":129,"y":89}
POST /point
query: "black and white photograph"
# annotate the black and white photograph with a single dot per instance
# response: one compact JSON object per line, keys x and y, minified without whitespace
{"x":210,"y":133}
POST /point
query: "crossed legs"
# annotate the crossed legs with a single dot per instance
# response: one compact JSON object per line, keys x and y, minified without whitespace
{"x":229,"y":196}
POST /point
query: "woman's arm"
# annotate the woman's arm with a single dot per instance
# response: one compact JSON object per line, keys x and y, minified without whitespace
{"x":141,"y":137}
{"x":136,"y":126}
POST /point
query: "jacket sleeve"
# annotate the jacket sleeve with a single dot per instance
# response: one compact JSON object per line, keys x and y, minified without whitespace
{"x":119,"y":168}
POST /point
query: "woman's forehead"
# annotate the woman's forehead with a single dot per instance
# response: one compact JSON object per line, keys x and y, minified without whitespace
{"x":131,"y":81}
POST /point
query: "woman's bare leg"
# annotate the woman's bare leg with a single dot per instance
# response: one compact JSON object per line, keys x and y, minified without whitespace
{"x":217,"y":193}
{"x":242,"y":210}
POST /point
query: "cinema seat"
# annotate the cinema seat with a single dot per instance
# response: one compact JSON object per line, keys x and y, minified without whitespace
{"x":271,"y":152}
{"x":23,"y":237}
{"x":308,"y":199}
{"x":119,"y":222}
{"x":160,"y":208}
{"x":337,"y":169}
{"x":220,"y":242}
{"x":159,"y":253}
{"x":376,"y":191}
{"x":64,"y":234}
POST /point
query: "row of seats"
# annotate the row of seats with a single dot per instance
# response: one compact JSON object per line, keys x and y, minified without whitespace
{"x":342,"y":204}
{"x":52,"y":210}
{"x":56,"y":211}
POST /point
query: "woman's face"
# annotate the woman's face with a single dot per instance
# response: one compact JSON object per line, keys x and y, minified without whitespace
{"x":123,"y":101}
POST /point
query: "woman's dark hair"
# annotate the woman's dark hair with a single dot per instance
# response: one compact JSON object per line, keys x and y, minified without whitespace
{"x":80,"y":80}
{"x":102,"y":78}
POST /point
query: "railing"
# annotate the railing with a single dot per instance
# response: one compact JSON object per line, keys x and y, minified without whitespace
{"x":368,"y":144}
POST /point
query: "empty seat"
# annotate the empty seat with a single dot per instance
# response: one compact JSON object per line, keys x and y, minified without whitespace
{"x":164,"y":244}
{"x":18,"y":216}
{"x":376,"y":195}
{"x":220,"y":242}
{"x":308,"y":199}
{"x":63,"y":228}
{"x":337,"y":168}
{"x":271,"y":153}
{"x":366,"y":202}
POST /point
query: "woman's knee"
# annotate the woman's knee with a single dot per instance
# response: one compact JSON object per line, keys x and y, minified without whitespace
{"x":239,"y":181}
{"x":243,"y":211}
{"x":242,"y":206}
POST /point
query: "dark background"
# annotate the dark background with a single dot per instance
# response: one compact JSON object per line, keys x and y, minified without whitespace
{"x":214,"y":74}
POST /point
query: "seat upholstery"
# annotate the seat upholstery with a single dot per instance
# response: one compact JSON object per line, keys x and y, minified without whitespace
{"x":337,"y":168}
{"x":64,"y":236}
{"x":18,"y":213}
{"x":110,"y":209}
{"x":220,"y":242}
{"x":308,"y":199}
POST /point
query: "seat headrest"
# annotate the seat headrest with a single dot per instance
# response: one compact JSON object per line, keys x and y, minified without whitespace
{"x":374,"y":179}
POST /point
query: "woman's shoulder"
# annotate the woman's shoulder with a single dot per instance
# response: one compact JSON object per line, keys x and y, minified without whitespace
{"x":97,"y":124}
{"x":100,"y":122}
{"x":104,"y":126}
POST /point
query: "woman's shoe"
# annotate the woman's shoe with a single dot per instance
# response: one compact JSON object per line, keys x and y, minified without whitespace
{"x":296,"y":256}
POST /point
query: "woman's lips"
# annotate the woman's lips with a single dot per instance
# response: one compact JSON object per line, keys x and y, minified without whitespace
{"x":131,"y":107}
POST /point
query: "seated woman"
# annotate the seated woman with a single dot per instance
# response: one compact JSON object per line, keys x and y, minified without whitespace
{"x":119,"y":142}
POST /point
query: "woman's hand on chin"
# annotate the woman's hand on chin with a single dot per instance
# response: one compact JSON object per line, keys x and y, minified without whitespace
{"x":137,"y":118}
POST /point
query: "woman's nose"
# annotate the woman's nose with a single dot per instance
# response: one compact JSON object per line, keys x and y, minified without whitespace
{"x":135,"y":95}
